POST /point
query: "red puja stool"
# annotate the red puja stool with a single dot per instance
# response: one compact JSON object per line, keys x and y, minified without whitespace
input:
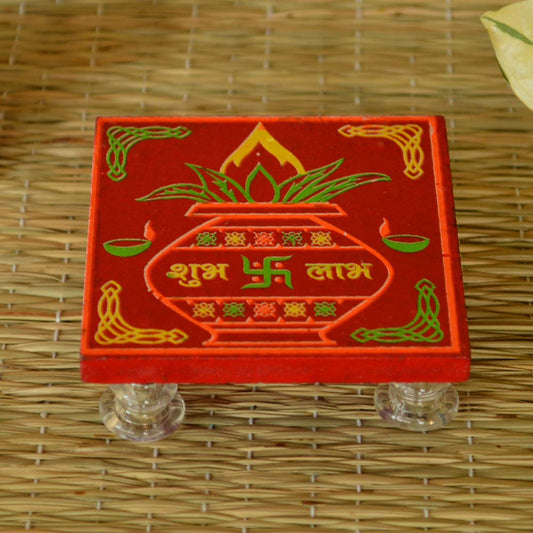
{"x":272,"y":250}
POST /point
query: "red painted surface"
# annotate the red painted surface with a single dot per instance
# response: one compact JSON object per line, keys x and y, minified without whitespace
{"x":273,"y":250}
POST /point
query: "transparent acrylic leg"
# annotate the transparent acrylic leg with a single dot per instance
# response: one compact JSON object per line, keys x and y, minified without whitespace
{"x":417,"y":406}
{"x":142,"y":413}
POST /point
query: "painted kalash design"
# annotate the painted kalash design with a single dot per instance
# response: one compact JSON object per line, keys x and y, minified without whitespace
{"x":269,"y":249}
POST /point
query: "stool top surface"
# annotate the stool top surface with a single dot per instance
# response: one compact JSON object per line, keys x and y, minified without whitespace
{"x":273,"y":250}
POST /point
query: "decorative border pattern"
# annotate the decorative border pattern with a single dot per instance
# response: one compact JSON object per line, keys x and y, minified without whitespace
{"x":407,"y":136}
{"x":425,"y":327}
{"x":114,"y":329}
{"x":250,"y":311}
{"x":123,"y":139}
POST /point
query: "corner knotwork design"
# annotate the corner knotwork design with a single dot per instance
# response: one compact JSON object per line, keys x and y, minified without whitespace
{"x":407,"y":136}
{"x":123,"y":139}
{"x":425,"y":327}
{"x":114,"y":329}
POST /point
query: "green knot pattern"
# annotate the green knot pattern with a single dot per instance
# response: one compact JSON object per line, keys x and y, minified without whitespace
{"x":234,"y":309}
{"x":206,"y":238}
{"x":325,"y":309}
{"x":122,"y":139}
{"x":425,"y":327}
{"x":292,"y":238}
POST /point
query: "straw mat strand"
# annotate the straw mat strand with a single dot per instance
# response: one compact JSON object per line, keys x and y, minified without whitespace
{"x":256,"y":458}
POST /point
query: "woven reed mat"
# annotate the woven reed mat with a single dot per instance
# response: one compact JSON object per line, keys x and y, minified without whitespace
{"x":257,"y":458}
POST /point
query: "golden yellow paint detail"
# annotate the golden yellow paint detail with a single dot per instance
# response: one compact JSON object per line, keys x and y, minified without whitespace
{"x":261,"y":136}
{"x":407,"y":136}
{"x":114,"y":329}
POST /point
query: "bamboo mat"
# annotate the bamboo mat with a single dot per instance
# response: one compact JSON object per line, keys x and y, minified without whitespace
{"x":257,"y":458}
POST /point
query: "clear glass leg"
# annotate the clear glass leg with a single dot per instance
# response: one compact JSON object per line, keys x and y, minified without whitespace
{"x":417,"y":406}
{"x":142,"y":413}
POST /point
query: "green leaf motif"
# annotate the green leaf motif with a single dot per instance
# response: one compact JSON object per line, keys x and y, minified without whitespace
{"x":259,"y":173}
{"x":299,"y":184}
{"x":313,"y":186}
{"x":228,"y":189}
{"x":177,"y":191}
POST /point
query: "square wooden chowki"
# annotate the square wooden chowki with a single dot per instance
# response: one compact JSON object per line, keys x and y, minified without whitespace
{"x":275,"y":250}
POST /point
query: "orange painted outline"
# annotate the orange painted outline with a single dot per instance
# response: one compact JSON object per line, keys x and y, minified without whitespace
{"x":445,"y":213}
{"x":88,"y":301}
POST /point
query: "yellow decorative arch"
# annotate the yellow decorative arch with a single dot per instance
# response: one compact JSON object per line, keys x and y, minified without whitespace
{"x":261,"y":136}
